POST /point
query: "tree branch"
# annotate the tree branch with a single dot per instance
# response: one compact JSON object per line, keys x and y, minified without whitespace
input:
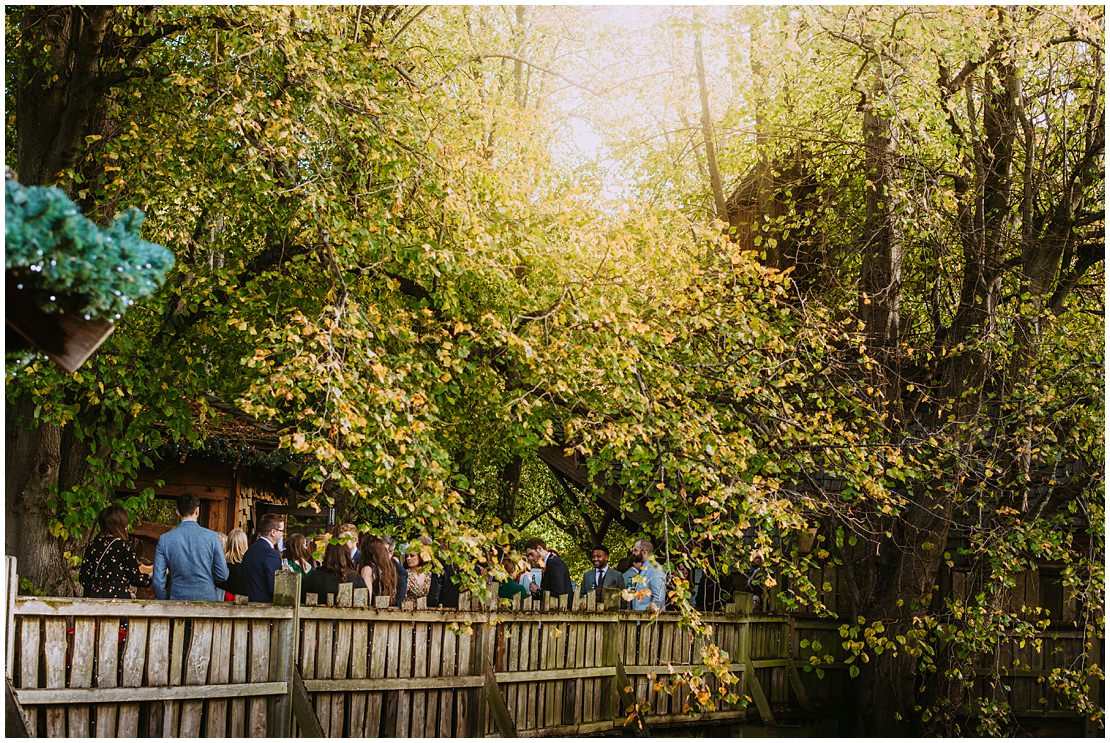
{"x":515,"y":58}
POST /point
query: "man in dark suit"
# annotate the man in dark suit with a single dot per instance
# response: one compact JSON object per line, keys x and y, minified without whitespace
{"x":556,"y":576}
{"x":601,"y":578}
{"x":262,"y":559}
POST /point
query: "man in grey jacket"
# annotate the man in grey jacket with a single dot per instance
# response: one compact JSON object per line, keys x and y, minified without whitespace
{"x":192,"y":557}
{"x":600,"y":577}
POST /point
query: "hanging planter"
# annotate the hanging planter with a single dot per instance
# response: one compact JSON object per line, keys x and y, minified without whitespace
{"x":67,"y":279}
{"x":806,"y":539}
{"x":64,"y":337}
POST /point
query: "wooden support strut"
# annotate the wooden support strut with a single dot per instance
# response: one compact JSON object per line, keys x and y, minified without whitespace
{"x":627,"y":700}
{"x":302,"y":709}
{"x":497,"y":708}
{"x":15,"y":719}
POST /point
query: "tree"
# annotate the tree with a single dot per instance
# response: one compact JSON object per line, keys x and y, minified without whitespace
{"x":380,"y":256}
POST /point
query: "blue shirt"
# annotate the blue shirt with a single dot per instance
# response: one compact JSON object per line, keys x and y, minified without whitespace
{"x":192,"y":558}
{"x":650,"y":578}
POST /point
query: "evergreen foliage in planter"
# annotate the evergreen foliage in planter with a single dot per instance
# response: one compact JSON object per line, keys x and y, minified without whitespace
{"x":67,"y":264}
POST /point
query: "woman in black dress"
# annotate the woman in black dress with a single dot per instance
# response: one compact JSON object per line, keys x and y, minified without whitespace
{"x":338,"y":568}
{"x":109,"y":567}
{"x":236,"y":583}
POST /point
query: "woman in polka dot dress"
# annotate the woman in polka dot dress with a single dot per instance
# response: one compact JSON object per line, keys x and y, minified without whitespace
{"x":109,"y":568}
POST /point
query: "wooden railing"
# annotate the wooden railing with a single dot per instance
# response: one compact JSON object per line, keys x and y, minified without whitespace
{"x":88,"y":667}
{"x":85,"y":667}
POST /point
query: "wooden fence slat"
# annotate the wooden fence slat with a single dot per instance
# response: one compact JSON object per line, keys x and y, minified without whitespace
{"x":420,"y":670}
{"x":172,"y":710}
{"x":219,"y":672}
{"x":570,"y":699}
{"x":529,"y":694}
{"x":378,"y":648}
{"x":80,"y":673}
{"x":325,"y":634}
{"x":405,"y":656}
{"x":435,"y":669}
{"x":54,"y":657}
{"x":134,"y":661}
{"x":556,"y":690}
{"x":450,"y":641}
{"x":196,"y":672}
{"x":29,"y":664}
{"x":465,"y":668}
{"x":259,"y":670}
{"x":11,"y":569}
{"x":359,"y":658}
{"x":341,"y":664}
{"x":666,"y":655}
{"x":157,"y":671}
{"x":237,"y":712}
{"x":107,"y":668}
{"x":590,"y":687}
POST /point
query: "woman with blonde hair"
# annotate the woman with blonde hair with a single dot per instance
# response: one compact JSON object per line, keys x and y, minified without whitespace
{"x":236,"y":547}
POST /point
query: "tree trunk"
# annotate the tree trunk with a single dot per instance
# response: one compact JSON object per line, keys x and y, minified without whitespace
{"x":34,"y":462}
{"x":56,"y":106}
{"x":764,"y":182}
{"x":881,"y":269}
{"x":707,"y":134}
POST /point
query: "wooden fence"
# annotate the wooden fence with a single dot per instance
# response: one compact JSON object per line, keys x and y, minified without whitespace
{"x":104,"y":668}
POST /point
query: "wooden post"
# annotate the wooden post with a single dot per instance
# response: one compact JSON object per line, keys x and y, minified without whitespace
{"x":9,"y":625}
{"x":283,"y":650}
{"x":751,"y":683}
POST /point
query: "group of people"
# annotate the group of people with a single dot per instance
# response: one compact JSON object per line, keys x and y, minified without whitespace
{"x":192,"y":563}
{"x":638,"y":572}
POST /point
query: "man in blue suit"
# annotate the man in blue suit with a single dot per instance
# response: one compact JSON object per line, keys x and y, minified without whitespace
{"x":190,"y":556}
{"x":262,"y":559}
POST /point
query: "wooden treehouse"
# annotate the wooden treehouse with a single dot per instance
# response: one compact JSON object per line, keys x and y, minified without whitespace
{"x":235,"y":488}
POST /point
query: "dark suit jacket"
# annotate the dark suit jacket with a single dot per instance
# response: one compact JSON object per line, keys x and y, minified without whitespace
{"x":556,"y":578}
{"x":443,"y":591}
{"x":402,"y":581}
{"x":613,"y":581}
{"x":259,"y":565}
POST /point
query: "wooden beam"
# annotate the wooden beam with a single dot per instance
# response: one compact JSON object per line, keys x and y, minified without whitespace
{"x":395,"y":684}
{"x":65,"y":337}
{"x":627,"y":700}
{"x":501,"y":717}
{"x":116,"y":695}
{"x":15,"y":719}
{"x":609,"y":496}
{"x":81,"y":607}
{"x":303,"y":711}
